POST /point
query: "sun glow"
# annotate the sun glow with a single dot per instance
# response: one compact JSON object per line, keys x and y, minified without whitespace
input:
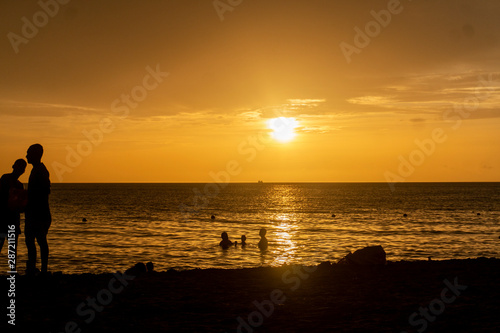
{"x":283,"y":128}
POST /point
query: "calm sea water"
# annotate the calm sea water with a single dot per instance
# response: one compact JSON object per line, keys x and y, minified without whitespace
{"x":128,"y":223}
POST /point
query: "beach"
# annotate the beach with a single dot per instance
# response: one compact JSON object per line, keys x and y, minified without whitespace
{"x":402,"y":296}
{"x":250,"y":166}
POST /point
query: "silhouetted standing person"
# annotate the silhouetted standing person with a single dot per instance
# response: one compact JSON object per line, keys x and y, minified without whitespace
{"x":263,"y":240}
{"x":38,"y":218}
{"x":12,"y":203}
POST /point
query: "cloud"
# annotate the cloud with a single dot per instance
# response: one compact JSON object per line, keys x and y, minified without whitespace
{"x":372,"y":100}
{"x":434,"y":93}
{"x":40,"y":109}
{"x":306,"y":102}
{"x":84,"y":59}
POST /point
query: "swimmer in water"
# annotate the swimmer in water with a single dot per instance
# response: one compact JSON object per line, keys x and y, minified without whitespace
{"x":263,"y":240}
{"x":225,"y":243}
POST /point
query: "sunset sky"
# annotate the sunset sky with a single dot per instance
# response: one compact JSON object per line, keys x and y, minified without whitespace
{"x":184,"y":91}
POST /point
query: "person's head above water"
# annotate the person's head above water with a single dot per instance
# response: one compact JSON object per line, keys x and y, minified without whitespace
{"x":263,"y":240}
{"x":243,"y":238}
{"x":19,"y":167}
{"x":225,"y":242}
{"x":34,"y":154}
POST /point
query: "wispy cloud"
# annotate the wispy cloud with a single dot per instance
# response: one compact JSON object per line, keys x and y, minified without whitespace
{"x":306,"y":102}
{"x":372,"y":100}
{"x":31,"y":108}
{"x":433,"y":93}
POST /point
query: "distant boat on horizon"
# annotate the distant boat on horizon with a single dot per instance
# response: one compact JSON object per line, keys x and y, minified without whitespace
{"x":260,"y":182}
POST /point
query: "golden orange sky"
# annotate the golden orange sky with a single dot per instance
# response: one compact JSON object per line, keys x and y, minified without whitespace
{"x":183,"y":91}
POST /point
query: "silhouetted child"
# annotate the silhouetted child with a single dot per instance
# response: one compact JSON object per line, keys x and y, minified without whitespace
{"x":225,"y":243}
{"x":243,"y":241}
{"x":263,"y":240}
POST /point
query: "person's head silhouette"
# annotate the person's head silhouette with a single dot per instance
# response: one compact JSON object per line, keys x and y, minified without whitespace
{"x":34,"y":154}
{"x":19,"y":167}
{"x":225,"y":242}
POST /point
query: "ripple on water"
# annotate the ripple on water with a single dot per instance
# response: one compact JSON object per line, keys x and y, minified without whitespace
{"x":127,"y":223}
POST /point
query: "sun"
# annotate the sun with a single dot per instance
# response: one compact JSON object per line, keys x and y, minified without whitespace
{"x":283,"y":128}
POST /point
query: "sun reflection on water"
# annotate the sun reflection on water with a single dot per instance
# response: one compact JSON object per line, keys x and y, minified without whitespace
{"x":285,"y":224}
{"x":286,"y":248}
{"x":142,"y":222}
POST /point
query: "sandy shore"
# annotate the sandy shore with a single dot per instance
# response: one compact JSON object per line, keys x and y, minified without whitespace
{"x":436,"y":296}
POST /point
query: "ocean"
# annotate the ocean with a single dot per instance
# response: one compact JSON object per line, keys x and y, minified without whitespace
{"x":307,"y":223}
